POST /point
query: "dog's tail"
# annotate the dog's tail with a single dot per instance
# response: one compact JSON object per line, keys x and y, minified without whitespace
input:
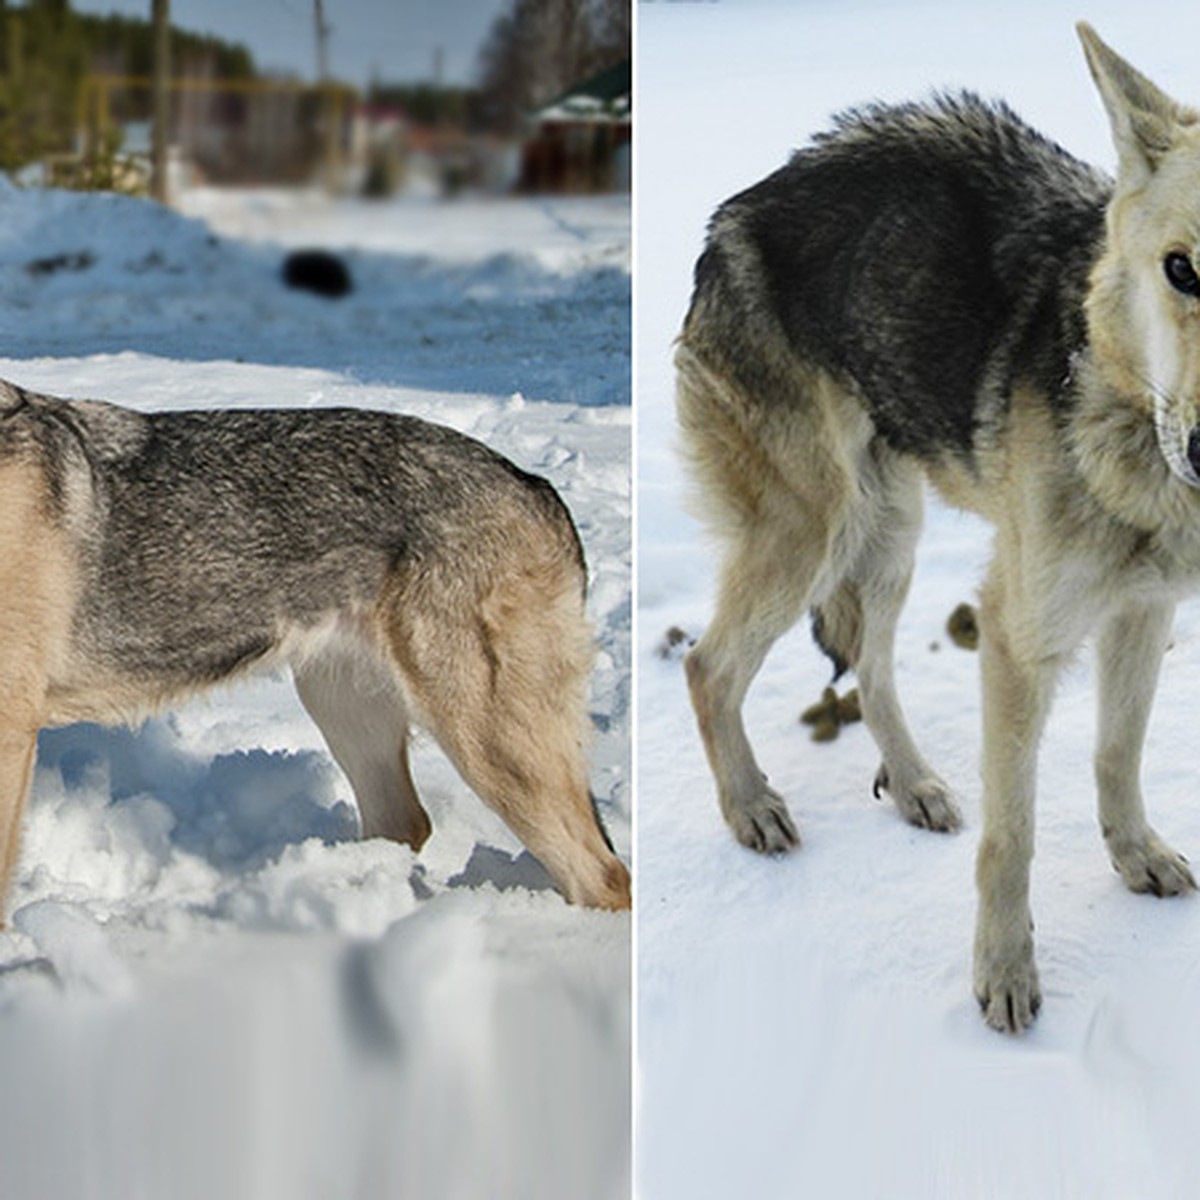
{"x":837,"y":628}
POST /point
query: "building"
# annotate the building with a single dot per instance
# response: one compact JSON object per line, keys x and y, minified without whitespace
{"x":581,"y":142}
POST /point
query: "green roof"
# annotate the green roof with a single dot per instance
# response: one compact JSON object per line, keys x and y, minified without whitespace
{"x":604,"y":95}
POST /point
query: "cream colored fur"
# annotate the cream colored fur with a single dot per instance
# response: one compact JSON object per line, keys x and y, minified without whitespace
{"x":1097,"y":533}
{"x":38,"y":582}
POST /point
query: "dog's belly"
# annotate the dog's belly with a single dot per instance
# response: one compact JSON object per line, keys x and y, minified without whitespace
{"x":124,"y":664}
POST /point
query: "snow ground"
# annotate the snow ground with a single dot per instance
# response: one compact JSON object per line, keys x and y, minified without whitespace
{"x":806,"y":1025}
{"x":209,"y":987}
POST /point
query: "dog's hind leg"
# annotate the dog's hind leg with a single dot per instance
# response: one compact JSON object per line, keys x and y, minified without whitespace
{"x":766,"y":578}
{"x":497,"y":668}
{"x":354,"y":698}
{"x":877,"y":585}
{"x":1130,"y":650}
{"x":776,"y":480}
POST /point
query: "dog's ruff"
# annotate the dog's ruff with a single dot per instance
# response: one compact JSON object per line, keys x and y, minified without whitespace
{"x":936,"y":290}
{"x":406,"y":572}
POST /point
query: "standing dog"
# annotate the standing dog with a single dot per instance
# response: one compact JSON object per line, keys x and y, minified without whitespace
{"x":403,"y":570}
{"x":938,"y":290}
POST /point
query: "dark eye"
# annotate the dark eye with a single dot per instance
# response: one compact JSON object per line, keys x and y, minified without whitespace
{"x":1181,"y":274}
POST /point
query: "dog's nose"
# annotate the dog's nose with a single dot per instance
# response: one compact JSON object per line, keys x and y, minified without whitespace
{"x":1193,"y":450}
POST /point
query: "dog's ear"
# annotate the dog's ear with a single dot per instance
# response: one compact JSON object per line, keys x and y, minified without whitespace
{"x":1145,"y":121}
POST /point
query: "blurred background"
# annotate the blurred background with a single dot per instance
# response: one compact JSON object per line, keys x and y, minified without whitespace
{"x":364,"y":96}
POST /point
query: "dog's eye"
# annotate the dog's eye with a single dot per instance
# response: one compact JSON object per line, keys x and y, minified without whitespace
{"x":1181,"y":274}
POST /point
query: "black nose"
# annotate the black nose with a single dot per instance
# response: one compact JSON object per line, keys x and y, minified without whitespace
{"x":1193,"y":454}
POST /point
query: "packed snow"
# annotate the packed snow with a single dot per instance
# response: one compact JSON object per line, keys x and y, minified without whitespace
{"x":209,"y":986}
{"x":805,"y":1024}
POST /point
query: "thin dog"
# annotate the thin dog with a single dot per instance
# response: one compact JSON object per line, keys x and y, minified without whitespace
{"x":406,"y":572}
{"x":937,"y":291}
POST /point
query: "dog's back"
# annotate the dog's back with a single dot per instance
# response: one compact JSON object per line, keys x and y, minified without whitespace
{"x":926,"y":254}
{"x":271,"y":519}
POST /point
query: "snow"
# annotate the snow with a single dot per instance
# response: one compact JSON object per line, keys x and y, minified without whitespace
{"x":209,"y":986}
{"x":806,"y":1024}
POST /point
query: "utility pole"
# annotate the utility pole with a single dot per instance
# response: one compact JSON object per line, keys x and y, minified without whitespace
{"x":439,"y":97}
{"x":323,"y":32}
{"x":161,"y":17}
{"x":329,"y":100}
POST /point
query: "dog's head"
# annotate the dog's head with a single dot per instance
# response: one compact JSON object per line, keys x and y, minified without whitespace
{"x":1144,"y":308}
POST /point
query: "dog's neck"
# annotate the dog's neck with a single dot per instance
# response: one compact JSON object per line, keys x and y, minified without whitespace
{"x":1113,"y":442}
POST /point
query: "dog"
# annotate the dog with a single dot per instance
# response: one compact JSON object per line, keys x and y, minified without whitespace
{"x":405,"y":572}
{"x":937,"y":291}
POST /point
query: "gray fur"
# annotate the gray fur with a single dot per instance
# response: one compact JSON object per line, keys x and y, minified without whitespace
{"x":405,"y":571}
{"x":207,"y":532}
{"x":931,"y":255}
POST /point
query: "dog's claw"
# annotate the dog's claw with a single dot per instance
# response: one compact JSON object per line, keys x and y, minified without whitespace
{"x":1012,"y":1010}
{"x":1007,"y":991}
{"x":927,"y":804}
{"x":762,"y":823}
{"x":789,"y":835}
{"x":1147,"y":864}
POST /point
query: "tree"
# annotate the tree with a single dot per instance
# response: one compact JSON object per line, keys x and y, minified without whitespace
{"x":538,"y":48}
{"x":46,"y":54}
{"x":45,"y":62}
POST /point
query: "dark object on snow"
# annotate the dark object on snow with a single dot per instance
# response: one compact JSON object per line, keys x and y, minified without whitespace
{"x":830,"y":713}
{"x":79,"y":261}
{"x":963,"y":628}
{"x":317,"y":271}
{"x":676,"y":643}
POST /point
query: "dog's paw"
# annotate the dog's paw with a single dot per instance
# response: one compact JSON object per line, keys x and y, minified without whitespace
{"x":1008,"y":992}
{"x":762,"y":822}
{"x":927,"y":803}
{"x":1148,"y":864}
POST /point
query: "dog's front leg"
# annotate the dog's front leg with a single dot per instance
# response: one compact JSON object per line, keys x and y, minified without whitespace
{"x":1130,"y":650}
{"x":1017,"y":686}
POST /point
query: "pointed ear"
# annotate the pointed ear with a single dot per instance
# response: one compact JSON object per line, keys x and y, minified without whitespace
{"x":1145,"y":121}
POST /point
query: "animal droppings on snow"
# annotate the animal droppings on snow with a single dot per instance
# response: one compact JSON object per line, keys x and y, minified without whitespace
{"x":830,"y":713}
{"x":674,"y":644}
{"x":963,"y":627}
